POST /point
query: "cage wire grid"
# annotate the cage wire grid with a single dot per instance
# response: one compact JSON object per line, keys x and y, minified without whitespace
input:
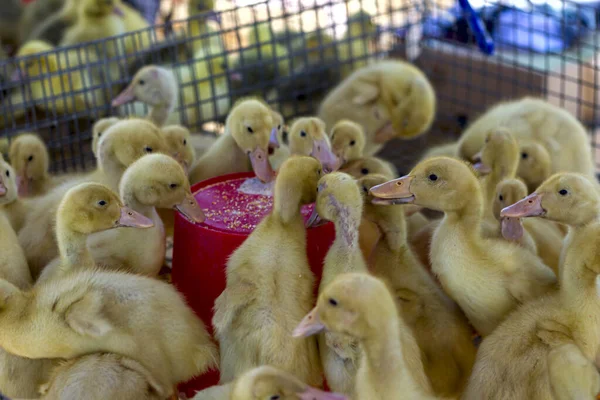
{"x":292,"y":53}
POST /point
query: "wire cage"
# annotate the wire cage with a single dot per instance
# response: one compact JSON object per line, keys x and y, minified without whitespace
{"x":292,"y":53}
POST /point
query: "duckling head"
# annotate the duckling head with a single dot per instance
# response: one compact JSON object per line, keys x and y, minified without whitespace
{"x":99,"y":8}
{"x":251,"y":124}
{"x":369,"y":165}
{"x":568,"y":198}
{"x":29,"y":157}
{"x":500,"y":154}
{"x":535,"y":165}
{"x":178,"y":140}
{"x":98,"y":129}
{"x":307,"y":137}
{"x":92,"y":207}
{"x":128,"y":140}
{"x":346,"y":306}
{"x":296,"y":185}
{"x":157,"y":180}
{"x":268,"y":383}
{"x":8,"y":185}
{"x":347,"y":141}
{"x":440,"y":183}
{"x":152,"y":85}
{"x":339,"y":200}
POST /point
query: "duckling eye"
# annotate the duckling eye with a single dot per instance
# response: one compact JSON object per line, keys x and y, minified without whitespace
{"x":173,"y":186}
{"x":563,"y":192}
{"x":365,"y":189}
{"x":364,"y":171}
{"x":275,"y":397}
{"x":302,"y":133}
{"x":102,"y":203}
{"x":333,"y":302}
{"x":433,"y":177}
{"x":524,"y":155}
{"x":319,"y":171}
{"x":352,"y":143}
{"x":279,"y":127}
{"x":7,"y":173}
{"x":250,"y":130}
{"x":30,"y":158}
{"x":142,"y":82}
{"x":184,"y":142}
{"x":501,"y":198}
{"x":148,"y":149}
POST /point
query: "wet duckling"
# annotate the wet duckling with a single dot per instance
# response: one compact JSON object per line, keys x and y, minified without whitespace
{"x":307,"y":137}
{"x":100,"y":376}
{"x":99,"y":128}
{"x":94,"y":311}
{"x":448,"y":358}
{"x":153,"y":181}
{"x":339,"y":200}
{"x":347,"y":141}
{"x":256,"y":313}
{"x":247,"y":134}
{"x":488,"y":278}
{"x":361,"y":306}
{"x":521,"y":349}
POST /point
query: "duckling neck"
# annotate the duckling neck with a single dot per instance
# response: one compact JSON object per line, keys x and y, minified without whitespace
{"x":159,"y":114}
{"x":393,"y":226}
{"x":287,"y":203}
{"x":467,"y":218}
{"x":73,"y":248}
{"x":345,"y":251}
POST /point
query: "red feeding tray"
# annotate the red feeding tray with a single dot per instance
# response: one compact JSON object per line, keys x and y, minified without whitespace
{"x":200,"y":252}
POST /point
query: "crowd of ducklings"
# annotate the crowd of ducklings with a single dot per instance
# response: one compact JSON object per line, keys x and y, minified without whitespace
{"x":401,"y":296}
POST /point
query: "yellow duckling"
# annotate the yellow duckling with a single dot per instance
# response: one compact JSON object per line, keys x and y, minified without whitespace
{"x":254,"y":317}
{"x":13,"y":208}
{"x":361,"y":306}
{"x":29,"y":157}
{"x":248,"y":130}
{"x":534,"y":120}
{"x":340,"y":201}
{"x":526,"y":350}
{"x":83,"y":312}
{"x":98,"y":130}
{"x":388,"y":99}
{"x":488,"y":278}
{"x":535,"y":165}
{"x":307,"y":137}
{"x":179,"y":144}
{"x":347,"y":141}
{"x":447,"y":359}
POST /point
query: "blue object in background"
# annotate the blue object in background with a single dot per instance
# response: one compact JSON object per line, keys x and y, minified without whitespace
{"x":148,"y":8}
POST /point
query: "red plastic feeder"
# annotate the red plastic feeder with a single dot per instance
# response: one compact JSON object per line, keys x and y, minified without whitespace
{"x":200,"y":252}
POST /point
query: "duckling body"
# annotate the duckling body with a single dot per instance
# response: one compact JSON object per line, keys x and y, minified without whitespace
{"x":448,"y":358}
{"x":339,"y":200}
{"x":520,"y":349}
{"x":262,"y":302}
{"x":488,"y":278}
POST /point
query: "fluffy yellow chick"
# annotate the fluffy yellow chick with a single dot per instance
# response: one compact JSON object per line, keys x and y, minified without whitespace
{"x":340,"y":201}
{"x":521,"y":350}
{"x":29,"y":157}
{"x":535,"y":165}
{"x":347,"y":141}
{"x":95,"y":311}
{"x":307,"y":137}
{"x":101,"y":376}
{"x":488,"y":278}
{"x":361,"y":306}
{"x":248,"y":130}
{"x":256,"y":313}
{"x":535,"y":120}
{"x":388,"y":99}
{"x":99,"y":128}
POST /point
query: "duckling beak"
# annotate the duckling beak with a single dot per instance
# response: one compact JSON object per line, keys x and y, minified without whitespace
{"x":314,"y":218}
{"x":261,"y":166}
{"x":126,"y":96}
{"x":22,"y":185}
{"x":310,"y":325}
{"x":133,"y":219}
{"x":385,"y":133}
{"x":273,"y":140}
{"x":322,"y":152}
{"x":530,"y":206}
{"x":118,"y":11}
{"x":315,"y":394}
{"x":2,"y":188}
{"x":396,"y":191}
{"x":512,"y":228}
{"x":190,"y":209}
{"x":180,"y":158}
{"x":479,"y":165}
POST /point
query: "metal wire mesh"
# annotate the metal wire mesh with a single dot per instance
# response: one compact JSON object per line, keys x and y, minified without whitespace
{"x":292,"y":54}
